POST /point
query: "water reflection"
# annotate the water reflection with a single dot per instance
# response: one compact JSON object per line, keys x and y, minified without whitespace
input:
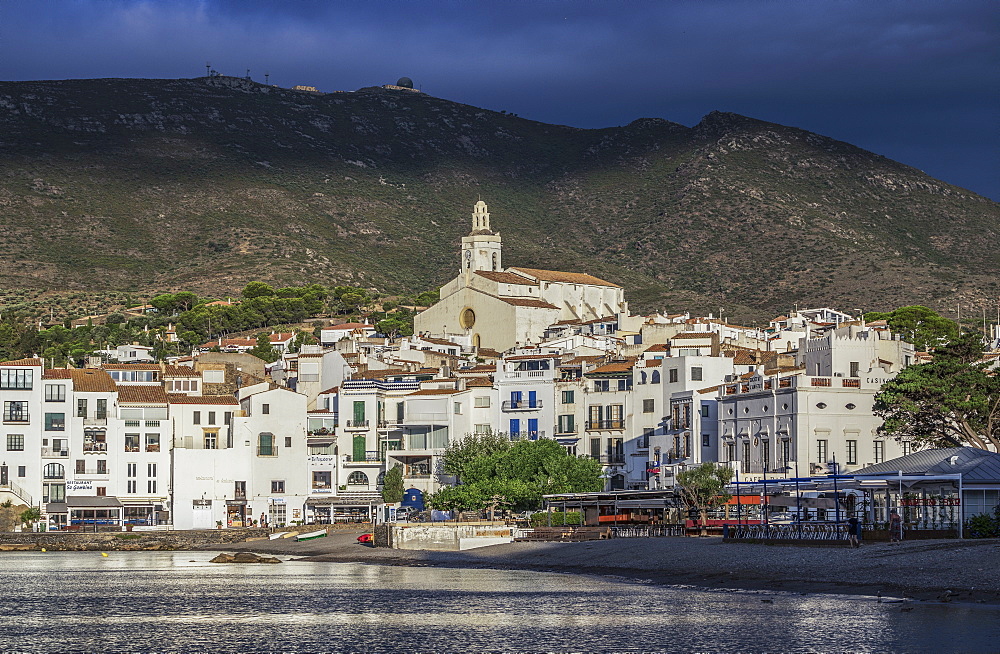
{"x":66,"y":601}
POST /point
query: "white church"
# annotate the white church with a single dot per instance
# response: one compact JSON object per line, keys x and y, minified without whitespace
{"x":499,"y":308}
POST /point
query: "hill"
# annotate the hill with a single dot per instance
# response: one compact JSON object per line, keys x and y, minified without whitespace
{"x":207,"y":183}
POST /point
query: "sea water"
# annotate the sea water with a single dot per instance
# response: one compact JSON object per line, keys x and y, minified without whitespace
{"x":178,"y":601}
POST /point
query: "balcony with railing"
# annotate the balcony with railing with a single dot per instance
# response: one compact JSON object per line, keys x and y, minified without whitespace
{"x":356,"y":424}
{"x":95,"y":447}
{"x":521,"y":405}
{"x":267,"y":450}
{"x":371,"y":457}
{"x":610,"y":459}
{"x":593,"y":425}
{"x":53,"y":453}
{"x":96,"y":422}
{"x":526,"y":435}
{"x":93,"y":472}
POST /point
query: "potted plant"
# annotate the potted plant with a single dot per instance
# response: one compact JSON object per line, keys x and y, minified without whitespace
{"x":218,"y":524}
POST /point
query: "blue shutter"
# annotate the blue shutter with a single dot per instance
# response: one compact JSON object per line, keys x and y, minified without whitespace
{"x":533,"y":427}
{"x":515,"y":427}
{"x":532,"y":395}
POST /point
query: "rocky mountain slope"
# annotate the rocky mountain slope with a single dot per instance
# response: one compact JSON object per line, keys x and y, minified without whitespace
{"x":207,"y":183}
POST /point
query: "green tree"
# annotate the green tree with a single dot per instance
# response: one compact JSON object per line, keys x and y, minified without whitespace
{"x":258,"y":289}
{"x":30,"y":516}
{"x":393,"y":327}
{"x":427,"y":298}
{"x":951,"y":401}
{"x":263,"y":349}
{"x":392,"y":485}
{"x":186,"y":300}
{"x":460,"y":454}
{"x":918,"y":325}
{"x":703,"y":488}
{"x":496,"y":473}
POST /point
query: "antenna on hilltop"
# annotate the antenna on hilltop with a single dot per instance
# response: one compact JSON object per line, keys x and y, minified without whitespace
{"x":266,"y":78}
{"x":248,"y":73}
{"x":208,"y":69}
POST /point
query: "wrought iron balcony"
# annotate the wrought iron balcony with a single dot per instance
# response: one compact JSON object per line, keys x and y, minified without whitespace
{"x":523,"y":405}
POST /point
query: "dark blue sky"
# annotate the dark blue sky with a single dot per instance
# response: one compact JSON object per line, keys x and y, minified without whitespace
{"x":914,"y":80}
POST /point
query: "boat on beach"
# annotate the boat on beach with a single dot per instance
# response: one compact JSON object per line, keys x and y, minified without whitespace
{"x":311,"y":535}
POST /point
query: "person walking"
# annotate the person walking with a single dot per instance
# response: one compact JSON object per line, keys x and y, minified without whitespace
{"x":895,"y":527}
{"x":854,"y":531}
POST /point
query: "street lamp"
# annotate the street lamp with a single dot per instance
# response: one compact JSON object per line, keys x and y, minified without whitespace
{"x":763,"y":506}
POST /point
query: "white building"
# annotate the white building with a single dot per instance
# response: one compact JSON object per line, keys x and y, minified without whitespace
{"x":499,"y":308}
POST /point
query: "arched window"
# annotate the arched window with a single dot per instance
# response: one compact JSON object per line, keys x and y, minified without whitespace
{"x":494,"y":261}
{"x":380,"y":479}
{"x":656,"y":376}
{"x":54,"y":471}
{"x":642,"y":377}
{"x":357,"y":478}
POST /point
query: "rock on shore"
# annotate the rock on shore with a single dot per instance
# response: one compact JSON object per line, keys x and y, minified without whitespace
{"x":244,"y":557}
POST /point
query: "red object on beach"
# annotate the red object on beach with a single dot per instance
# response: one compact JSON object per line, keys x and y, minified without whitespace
{"x":365,"y":538}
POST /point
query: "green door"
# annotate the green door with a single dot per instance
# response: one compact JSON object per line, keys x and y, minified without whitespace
{"x":359,"y":449}
{"x":359,"y":413}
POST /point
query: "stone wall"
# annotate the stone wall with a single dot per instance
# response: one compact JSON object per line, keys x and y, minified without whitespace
{"x":125,"y":541}
{"x":439,"y":536}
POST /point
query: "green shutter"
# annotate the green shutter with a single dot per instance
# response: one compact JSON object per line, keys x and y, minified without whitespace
{"x":359,"y":412}
{"x":359,"y":445}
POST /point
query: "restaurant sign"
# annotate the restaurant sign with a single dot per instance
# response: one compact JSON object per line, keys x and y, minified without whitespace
{"x":930,"y":501}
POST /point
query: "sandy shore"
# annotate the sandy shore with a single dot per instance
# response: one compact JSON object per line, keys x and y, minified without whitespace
{"x":939,"y":570}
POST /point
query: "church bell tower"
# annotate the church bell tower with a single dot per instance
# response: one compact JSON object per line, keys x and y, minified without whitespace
{"x":481,"y":248}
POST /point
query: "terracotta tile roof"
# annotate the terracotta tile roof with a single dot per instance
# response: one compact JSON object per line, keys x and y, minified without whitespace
{"x":281,"y":338}
{"x":522,"y":357}
{"x":134,"y":394}
{"x":202,"y":399}
{"x":600,"y":320}
{"x":710,"y":389}
{"x":321,"y":411}
{"x":654,"y":363}
{"x":131,"y":366}
{"x":480,"y":368}
{"x":22,"y":362}
{"x":566,"y":277}
{"x":692,"y":335}
{"x":571,"y":321}
{"x":528,"y":302}
{"x":434,"y":391}
{"x":439,"y":341}
{"x":479,"y":382}
{"x":506,"y":277}
{"x":658,"y":347}
{"x":487,"y":352}
{"x":579,"y":361}
{"x":614,"y":367}
{"x":92,"y":380}
{"x":351,"y":325}
{"x":335,"y":389}
{"x":180,"y":371}
{"x":744,"y":358}
{"x":56,"y":373}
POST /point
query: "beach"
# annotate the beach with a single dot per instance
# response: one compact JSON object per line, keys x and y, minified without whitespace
{"x":929,"y":570}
